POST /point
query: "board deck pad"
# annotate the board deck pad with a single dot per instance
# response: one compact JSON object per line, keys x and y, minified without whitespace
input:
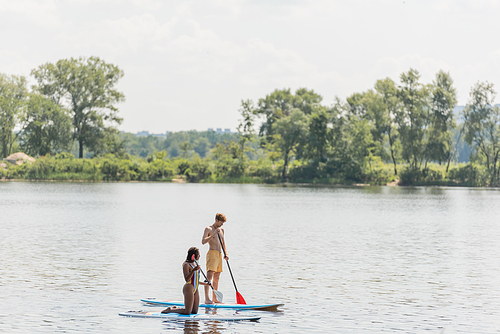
{"x":182,"y":317}
{"x":262,"y":307}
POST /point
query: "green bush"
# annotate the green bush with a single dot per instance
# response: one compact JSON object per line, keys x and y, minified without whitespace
{"x":432,"y":175}
{"x":376,"y":172}
{"x":471,"y":175}
{"x":228,"y":165}
{"x":200,"y":170}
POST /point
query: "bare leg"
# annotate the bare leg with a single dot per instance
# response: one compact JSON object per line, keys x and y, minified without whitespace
{"x":196,"y":302}
{"x":188,"y":290}
{"x":216,"y":286}
{"x":210,"y":274}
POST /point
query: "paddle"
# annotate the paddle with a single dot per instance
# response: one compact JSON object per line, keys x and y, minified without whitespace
{"x":218,"y":294}
{"x":239,"y":297}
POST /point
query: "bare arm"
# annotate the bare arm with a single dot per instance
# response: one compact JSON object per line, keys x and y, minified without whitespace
{"x":208,"y":235}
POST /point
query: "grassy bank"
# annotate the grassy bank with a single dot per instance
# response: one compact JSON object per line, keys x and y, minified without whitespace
{"x":64,"y":167}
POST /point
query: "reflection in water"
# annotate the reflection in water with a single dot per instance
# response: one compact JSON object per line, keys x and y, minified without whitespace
{"x":195,"y":327}
{"x":214,"y":327}
{"x":191,"y":327}
{"x":188,"y":327}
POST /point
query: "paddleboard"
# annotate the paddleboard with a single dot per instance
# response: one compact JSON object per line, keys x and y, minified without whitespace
{"x":263,"y":307}
{"x":182,"y":317}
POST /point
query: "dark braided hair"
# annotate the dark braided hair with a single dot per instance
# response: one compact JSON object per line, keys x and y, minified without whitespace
{"x":192,"y":251}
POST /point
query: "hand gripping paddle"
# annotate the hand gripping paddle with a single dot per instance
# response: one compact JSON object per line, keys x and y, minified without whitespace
{"x":218,"y":294}
{"x":239,"y":297}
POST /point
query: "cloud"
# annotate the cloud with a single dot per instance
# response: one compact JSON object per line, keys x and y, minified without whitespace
{"x":188,"y":48}
{"x":42,"y":12}
{"x":15,"y":64}
{"x":464,"y":5}
{"x":145,"y":4}
{"x":116,"y":36}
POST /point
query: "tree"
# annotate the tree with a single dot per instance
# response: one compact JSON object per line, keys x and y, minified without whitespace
{"x":412,"y":118}
{"x":245,"y":128}
{"x":388,"y":92}
{"x":482,"y":125}
{"x":337,"y":123}
{"x":443,"y":101}
{"x":13,"y":92}
{"x":360,"y":144}
{"x":306,"y":100}
{"x":280,"y":103}
{"x":201,"y":146}
{"x":290,"y":132}
{"x":317,"y":141}
{"x":273,"y":107}
{"x":229,"y":159}
{"x":379,"y":107}
{"x":48,"y":127}
{"x":185,"y":148}
{"x":85,"y":87}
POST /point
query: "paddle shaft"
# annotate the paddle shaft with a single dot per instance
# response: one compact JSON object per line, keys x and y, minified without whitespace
{"x":204,"y":276}
{"x":227,"y":261}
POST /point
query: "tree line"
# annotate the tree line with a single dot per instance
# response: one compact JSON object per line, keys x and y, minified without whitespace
{"x":407,"y":123}
{"x":404,"y":130}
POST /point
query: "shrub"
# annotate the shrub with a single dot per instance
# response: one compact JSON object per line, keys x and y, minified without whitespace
{"x":471,"y":174}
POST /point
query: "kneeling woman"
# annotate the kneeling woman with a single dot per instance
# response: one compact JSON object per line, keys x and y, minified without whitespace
{"x":191,"y":271}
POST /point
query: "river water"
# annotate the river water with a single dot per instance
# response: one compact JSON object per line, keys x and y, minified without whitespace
{"x":341,"y":259}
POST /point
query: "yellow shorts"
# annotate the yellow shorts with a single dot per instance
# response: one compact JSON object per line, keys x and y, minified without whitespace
{"x":214,"y":261}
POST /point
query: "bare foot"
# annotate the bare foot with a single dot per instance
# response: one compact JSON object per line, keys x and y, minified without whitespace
{"x":167,"y":310}
{"x":208,"y":301}
{"x":217,"y":302}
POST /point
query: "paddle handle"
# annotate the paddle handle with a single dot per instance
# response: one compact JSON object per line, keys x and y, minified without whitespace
{"x":227,"y":261}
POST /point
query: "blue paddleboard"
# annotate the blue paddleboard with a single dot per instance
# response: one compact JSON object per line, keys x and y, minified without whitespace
{"x":181,"y":317}
{"x":262,"y":307}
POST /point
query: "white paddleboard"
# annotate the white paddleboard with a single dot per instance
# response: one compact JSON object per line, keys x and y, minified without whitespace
{"x":181,"y":317}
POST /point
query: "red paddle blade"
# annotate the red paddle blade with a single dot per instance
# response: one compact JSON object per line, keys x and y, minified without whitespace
{"x":239,"y":298}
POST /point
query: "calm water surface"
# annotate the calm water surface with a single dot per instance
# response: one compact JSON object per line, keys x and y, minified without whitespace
{"x":342,"y":260}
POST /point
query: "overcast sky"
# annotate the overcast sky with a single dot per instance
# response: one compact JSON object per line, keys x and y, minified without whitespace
{"x":188,"y":64}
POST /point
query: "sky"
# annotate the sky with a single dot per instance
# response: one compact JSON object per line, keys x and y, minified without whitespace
{"x":189,"y":64}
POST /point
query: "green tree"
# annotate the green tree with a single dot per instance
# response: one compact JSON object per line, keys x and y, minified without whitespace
{"x":273,"y":107}
{"x":290,"y":133}
{"x":370,"y":107}
{"x":337,"y":143}
{"x":245,"y":128}
{"x":280,"y":103}
{"x":185,"y":148}
{"x":317,"y":142}
{"x":388,"y":92}
{"x":379,"y":108}
{"x":482,"y":125}
{"x":13,"y":93}
{"x":85,"y":87}
{"x":306,"y":100}
{"x":360,"y":144}
{"x":229,"y":159}
{"x":412,"y":118}
{"x":201,"y":146}
{"x":48,"y":127}
{"x":442,"y":122}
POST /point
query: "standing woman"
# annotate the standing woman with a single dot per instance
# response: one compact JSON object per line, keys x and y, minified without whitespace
{"x":191,"y":272}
